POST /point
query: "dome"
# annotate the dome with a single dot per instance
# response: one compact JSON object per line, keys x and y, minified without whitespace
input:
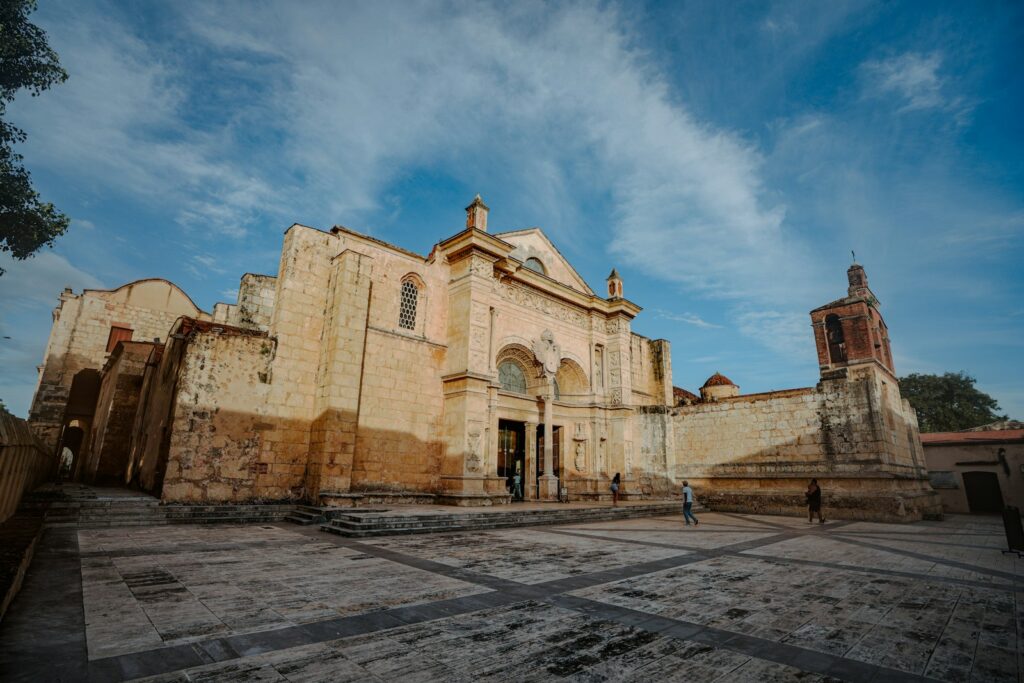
{"x":719,"y":380}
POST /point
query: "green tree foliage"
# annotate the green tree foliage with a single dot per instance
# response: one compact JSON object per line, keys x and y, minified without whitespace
{"x":26,"y":62}
{"x":949,"y":402}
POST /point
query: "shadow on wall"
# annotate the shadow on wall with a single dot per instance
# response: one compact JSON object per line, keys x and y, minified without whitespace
{"x":218,"y":455}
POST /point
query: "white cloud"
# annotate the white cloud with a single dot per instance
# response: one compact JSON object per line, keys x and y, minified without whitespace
{"x":688,"y":318}
{"x":915,"y":78}
{"x":121,"y":121}
{"x":546,"y":94}
{"x":556,"y":98}
{"x":785,"y":332}
{"x":38,"y":279}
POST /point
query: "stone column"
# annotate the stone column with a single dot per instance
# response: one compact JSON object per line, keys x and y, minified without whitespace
{"x":548,"y":481}
{"x":530,"y":450}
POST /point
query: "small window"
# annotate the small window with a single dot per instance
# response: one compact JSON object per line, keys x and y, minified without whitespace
{"x":511,"y":377}
{"x":407,"y":313}
{"x":117,"y":334}
{"x":535,"y":265}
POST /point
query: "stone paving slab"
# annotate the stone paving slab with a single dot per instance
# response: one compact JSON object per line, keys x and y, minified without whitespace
{"x":739,"y":598}
{"x":237,"y":584}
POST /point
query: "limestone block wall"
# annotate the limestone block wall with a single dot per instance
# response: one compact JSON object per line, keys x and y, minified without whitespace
{"x":400,"y":443}
{"x":219,"y":422}
{"x":24,"y":463}
{"x":297,"y":324}
{"x":149,"y":417}
{"x":757,"y":452}
{"x":78,"y":339}
{"x":107,"y":456}
{"x":256,"y":294}
{"x":650,"y":367}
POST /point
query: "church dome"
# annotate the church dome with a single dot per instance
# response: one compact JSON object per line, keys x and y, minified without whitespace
{"x":718,"y":380}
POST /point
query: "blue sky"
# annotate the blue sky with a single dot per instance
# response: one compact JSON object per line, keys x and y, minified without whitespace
{"x":725,"y":157}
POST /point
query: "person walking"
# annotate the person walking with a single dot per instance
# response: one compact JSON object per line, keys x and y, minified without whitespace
{"x":616,"y":481}
{"x":517,"y":487}
{"x":813,"y":495}
{"x":688,"y":504}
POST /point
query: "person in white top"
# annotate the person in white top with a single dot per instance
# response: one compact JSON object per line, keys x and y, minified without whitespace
{"x":688,"y":504}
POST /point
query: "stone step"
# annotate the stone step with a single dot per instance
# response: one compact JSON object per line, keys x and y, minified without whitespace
{"x":356,"y":526}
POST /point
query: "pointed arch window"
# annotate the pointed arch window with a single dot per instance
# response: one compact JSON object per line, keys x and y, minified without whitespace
{"x":407,"y":310}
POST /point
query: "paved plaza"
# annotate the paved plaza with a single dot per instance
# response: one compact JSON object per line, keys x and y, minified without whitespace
{"x":739,"y":598}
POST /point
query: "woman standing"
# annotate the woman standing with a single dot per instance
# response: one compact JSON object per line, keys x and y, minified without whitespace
{"x":616,"y":480}
{"x":813,"y":496}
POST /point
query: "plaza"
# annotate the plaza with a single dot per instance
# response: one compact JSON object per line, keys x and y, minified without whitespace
{"x":737,"y":598}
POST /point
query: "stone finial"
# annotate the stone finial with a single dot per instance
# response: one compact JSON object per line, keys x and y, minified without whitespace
{"x":476,"y":214}
{"x":614,"y":285}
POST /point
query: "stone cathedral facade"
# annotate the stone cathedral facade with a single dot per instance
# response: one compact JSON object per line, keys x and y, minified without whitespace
{"x":363,"y":371}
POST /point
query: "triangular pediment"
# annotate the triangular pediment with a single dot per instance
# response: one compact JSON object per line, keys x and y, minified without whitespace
{"x":533,"y":243}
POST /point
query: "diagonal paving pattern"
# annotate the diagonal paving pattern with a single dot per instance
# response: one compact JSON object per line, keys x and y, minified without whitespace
{"x":741,"y":597}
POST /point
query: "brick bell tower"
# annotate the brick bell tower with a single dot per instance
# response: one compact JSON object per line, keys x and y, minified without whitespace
{"x":850,"y":331}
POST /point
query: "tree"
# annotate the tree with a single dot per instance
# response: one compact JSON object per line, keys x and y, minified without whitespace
{"x":949,"y":402}
{"x":26,"y":61}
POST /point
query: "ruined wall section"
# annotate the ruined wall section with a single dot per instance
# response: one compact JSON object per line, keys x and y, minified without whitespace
{"x":650,"y":371}
{"x":219,"y":423}
{"x":256,"y":295}
{"x":116,"y":407}
{"x":78,"y":339}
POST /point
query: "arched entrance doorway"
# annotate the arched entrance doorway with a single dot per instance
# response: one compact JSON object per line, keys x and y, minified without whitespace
{"x":78,"y":415}
{"x":983,"y":492}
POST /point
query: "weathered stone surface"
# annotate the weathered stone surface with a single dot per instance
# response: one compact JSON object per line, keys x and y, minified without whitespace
{"x":740,"y":597}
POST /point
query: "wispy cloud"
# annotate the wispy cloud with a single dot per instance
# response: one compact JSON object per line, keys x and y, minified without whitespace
{"x":688,"y":318}
{"x":122,"y":119}
{"x":914,"y":77}
{"x":785,"y":332}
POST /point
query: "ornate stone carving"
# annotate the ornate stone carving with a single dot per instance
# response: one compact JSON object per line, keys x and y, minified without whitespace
{"x":616,"y":395}
{"x":581,"y":457}
{"x":480,"y":266}
{"x":548,"y":353}
{"x":473,"y":459}
{"x":555,"y":309}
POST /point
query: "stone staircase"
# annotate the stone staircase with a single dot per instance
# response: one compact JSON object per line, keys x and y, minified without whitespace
{"x":365,"y":523}
{"x":136,"y":509}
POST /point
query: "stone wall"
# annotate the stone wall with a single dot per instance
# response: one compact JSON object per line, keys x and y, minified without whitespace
{"x":24,"y":463}
{"x":107,"y":456}
{"x":757,"y":452}
{"x":78,"y":339}
{"x":255,"y":301}
{"x":218,"y":421}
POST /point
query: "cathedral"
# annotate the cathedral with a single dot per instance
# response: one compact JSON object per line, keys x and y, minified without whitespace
{"x":484,"y":373}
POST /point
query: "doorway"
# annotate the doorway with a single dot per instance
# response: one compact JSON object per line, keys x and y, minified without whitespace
{"x":983,"y":492}
{"x":512,"y":457}
{"x":556,"y":460}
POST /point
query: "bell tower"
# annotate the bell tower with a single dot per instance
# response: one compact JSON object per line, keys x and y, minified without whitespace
{"x":614,"y":285}
{"x":851,"y":330}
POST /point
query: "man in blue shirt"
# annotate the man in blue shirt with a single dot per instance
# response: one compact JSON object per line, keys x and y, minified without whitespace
{"x":688,"y":504}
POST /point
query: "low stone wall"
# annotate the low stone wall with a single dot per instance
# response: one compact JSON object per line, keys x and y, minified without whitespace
{"x":24,"y":464}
